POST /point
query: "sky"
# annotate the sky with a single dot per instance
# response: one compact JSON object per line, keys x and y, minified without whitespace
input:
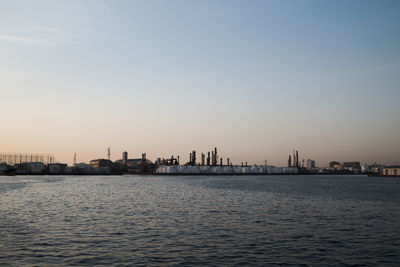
{"x":257,"y":79}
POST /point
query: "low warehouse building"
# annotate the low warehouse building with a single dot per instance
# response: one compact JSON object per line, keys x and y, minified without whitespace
{"x":391,"y":170}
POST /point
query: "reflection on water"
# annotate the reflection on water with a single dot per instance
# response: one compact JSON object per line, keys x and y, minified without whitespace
{"x":153,"y":220}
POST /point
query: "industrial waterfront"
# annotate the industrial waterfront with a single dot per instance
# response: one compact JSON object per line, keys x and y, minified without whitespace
{"x":210,"y":164}
{"x":212,"y":220}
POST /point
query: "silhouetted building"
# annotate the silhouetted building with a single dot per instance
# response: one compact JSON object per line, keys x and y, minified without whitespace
{"x":100,"y":163}
{"x":57,"y":168}
{"x":391,"y":170}
{"x":310,"y":164}
{"x":354,"y":165}
{"x":335,"y":165}
{"x":30,"y":168}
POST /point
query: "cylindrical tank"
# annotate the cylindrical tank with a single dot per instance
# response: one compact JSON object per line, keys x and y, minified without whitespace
{"x":218,"y":170}
{"x":255,"y":169}
{"x":228,"y":170}
{"x":159,"y":169}
{"x":195,"y":170}
{"x":172,"y":169}
{"x":179,"y":169}
{"x":271,"y":170}
{"x":239,"y":169}
{"x":263,"y":170}
{"x":205,"y":169}
{"x":186,"y":169}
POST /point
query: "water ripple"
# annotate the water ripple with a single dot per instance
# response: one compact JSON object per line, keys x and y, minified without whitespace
{"x":200,"y":221}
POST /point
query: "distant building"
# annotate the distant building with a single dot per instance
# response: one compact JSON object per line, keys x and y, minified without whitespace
{"x":310,"y":164}
{"x":31,"y":168}
{"x":134,"y":165}
{"x":335,"y":165}
{"x":353,"y":166}
{"x":391,"y":170}
{"x":82,"y":168}
{"x":376,"y":168}
{"x":57,"y":168}
{"x":100,"y":163}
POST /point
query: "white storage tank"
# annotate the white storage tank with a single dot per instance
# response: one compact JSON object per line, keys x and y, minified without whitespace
{"x":271,"y":170}
{"x":205,"y":169}
{"x":196,"y":170}
{"x":255,"y":169}
{"x":238,"y":169}
{"x":241,"y":170}
{"x":228,"y":170}
{"x":246,"y":170}
{"x":186,"y":169}
{"x":179,"y":169}
{"x":263,"y":170}
{"x":218,"y":170}
{"x":158,"y":170}
{"x":171,"y":169}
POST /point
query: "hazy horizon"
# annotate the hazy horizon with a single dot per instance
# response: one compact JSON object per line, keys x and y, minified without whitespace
{"x":257,"y":79}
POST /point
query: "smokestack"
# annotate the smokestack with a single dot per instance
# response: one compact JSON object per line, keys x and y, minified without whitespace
{"x":208,"y":158}
{"x":216,"y":156}
{"x":227,"y":162}
{"x":125,"y":158}
{"x":220,"y":161}
{"x":294,"y":159}
{"x":290,"y":161}
{"x":297,"y":158}
{"x":144,"y":159}
{"x":194,"y":158}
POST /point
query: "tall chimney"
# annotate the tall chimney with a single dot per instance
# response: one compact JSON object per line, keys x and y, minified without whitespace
{"x":125,"y":158}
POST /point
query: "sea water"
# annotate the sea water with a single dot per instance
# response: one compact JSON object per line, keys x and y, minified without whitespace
{"x":199,"y":220}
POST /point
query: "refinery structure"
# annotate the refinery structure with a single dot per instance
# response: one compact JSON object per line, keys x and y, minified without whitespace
{"x":212,"y":163}
{"x":209,"y":163}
